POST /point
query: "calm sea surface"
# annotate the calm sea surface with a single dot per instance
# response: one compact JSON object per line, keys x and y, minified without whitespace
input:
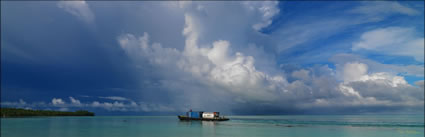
{"x":237,"y":126}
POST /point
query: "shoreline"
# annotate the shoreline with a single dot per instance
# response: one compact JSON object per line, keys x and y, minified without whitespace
{"x":18,"y":112}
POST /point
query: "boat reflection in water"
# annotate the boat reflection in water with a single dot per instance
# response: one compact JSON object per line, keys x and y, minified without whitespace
{"x":198,"y":123}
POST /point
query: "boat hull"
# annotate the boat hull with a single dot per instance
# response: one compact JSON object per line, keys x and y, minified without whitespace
{"x":185,"y":118}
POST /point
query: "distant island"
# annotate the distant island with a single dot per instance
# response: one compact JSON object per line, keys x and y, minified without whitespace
{"x":17,"y":112}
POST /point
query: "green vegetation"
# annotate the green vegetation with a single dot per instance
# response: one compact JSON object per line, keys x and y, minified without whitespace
{"x":16,"y":112}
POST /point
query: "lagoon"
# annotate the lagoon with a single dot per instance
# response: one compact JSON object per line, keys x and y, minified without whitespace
{"x":237,"y":126}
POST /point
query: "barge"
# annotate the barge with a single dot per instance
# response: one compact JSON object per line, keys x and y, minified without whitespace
{"x":203,"y":116}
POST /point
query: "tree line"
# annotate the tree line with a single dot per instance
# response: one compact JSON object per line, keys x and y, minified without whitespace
{"x":18,"y":112}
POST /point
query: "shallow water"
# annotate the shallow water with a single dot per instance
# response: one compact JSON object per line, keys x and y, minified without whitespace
{"x":238,"y":126}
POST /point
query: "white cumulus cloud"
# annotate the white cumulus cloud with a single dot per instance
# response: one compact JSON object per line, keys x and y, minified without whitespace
{"x":266,"y":11}
{"x":57,"y":101}
{"x":216,"y":65}
{"x":80,"y":9}
{"x":75,"y":101}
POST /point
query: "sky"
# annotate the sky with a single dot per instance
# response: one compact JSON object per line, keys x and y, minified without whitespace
{"x":238,"y":58}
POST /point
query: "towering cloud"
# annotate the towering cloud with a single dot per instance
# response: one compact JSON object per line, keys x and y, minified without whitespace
{"x":221,"y":69}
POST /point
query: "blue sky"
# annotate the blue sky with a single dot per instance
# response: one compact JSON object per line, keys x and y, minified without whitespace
{"x":287,"y":57}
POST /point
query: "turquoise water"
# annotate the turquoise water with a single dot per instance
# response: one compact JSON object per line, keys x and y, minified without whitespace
{"x":238,"y":126}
